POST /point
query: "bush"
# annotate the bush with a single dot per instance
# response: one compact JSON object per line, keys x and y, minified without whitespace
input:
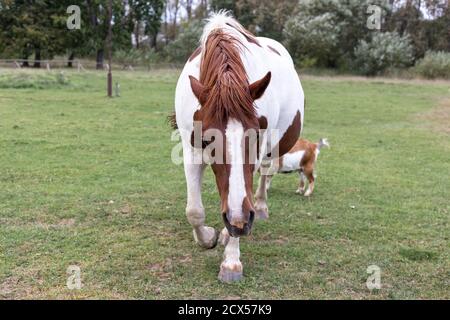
{"x":312,"y":39}
{"x":127,"y":58}
{"x":187,"y":41}
{"x":136,"y":57}
{"x":328,"y":30}
{"x":385,"y":50}
{"x":25,"y":80}
{"x":434,"y":65}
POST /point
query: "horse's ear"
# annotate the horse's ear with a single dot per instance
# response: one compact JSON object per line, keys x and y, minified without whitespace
{"x":198,"y":89}
{"x":257,"y":88}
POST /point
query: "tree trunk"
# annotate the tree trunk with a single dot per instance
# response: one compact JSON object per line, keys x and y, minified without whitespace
{"x":70,"y":62}
{"x":175,"y":19}
{"x":136,"y":34}
{"x":166,"y":26}
{"x":100,"y":59}
{"x":189,"y":9}
{"x":25,"y":63}
{"x":155,"y":41}
{"x":37,"y":58}
{"x":204,"y":5}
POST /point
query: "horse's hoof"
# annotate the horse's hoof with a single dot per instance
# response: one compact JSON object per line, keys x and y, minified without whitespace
{"x":224,"y":237}
{"x":208,"y":238}
{"x":262,"y":215}
{"x":262,"y":212}
{"x":230,"y":273}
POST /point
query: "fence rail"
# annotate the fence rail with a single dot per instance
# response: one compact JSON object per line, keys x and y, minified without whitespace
{"x":82,"y":65}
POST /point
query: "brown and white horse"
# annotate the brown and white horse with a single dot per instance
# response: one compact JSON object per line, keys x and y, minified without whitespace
{"x":235,"y":84}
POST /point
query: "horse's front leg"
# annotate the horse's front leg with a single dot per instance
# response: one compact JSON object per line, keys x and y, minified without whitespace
{"x":231,"y":267}
{"x":205,"y":236}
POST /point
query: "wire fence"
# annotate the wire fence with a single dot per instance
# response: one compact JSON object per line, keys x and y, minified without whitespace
{"x":82,"y":65}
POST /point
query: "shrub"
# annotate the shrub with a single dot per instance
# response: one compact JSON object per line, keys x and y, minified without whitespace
{"x":383,"y":51}
{"x":312,"y":39}
{"x":127,"y":58}
{"x":187,"y":41}
{"x":328,"y":30}
{"x":434,"y":65}
{"x":137,"y":57}
{"x":25,"y":80}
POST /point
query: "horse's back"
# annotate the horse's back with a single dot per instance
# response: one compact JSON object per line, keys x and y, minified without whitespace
{"x":276,"y":47}
{"x":284,"y":97}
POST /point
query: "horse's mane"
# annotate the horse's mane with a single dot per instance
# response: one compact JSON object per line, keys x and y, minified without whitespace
{"x":224,"y":77}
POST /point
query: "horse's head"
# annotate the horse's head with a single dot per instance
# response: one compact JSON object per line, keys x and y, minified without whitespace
{"x":226,"y":128}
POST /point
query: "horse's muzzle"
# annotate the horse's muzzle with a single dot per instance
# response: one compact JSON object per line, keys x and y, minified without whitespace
{"x":237,"y":232}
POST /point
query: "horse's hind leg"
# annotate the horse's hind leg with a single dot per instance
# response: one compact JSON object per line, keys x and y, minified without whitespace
{"x":205,"y":236}
{"x":262,"y":211}
{"x":268,"y":182}
{"x":309,"y":173}
{"x":301,"y":183}
{"x":266,"y":170}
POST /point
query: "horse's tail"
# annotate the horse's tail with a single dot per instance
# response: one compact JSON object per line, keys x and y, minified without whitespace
{"x":172,"y":120}
{"x":323,"y":142}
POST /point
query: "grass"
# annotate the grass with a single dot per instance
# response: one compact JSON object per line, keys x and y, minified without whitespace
{"x":87,"y":181}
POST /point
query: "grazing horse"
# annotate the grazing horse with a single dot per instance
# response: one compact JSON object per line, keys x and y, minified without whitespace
{"x":234,"y":83}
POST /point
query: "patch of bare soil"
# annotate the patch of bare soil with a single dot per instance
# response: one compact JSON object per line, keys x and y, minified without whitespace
{"x":24,"y":283}
{"x":438,"y":119}
{"x":351,"y":78}
{"x":64,"y":223}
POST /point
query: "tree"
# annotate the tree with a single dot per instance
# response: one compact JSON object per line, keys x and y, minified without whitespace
{"x":261,"y":17}
{"x":408,"y":20}
{"x":437,"y":30}
{"x":146,"y":19}
{"x":270,"y":16}
{"x":329,"y":30}
{"x":96,"y":24}
{"x":201,"y":11}
{"x":186,"y":42}
{"x":170,"y":19}
{"x":313,"y":40}
{"x":31,"y":26}
{"x":230,"y":5}
{"x":187,"y":4}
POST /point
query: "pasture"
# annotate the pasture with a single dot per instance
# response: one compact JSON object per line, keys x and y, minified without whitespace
{"x":88,"y":181}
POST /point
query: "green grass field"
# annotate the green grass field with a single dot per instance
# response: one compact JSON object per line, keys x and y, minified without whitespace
{"x":87,"y":181}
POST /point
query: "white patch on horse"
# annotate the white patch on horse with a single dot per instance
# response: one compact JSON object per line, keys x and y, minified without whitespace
{"x":234,"y":134}
{"x":232,"y":252}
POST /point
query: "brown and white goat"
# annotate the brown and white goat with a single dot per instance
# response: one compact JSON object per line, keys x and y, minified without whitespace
{"x":302,"y":159}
